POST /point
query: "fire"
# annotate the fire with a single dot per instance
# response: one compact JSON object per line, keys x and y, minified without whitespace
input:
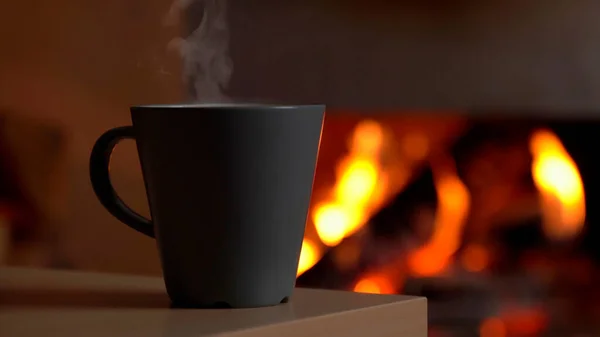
{"x":415,"y":146}
{"x":309,"y":255}
{"x":357,"y":182}
{"x":367,"y":138}
{"x":375,"y":284}
{"x":335,"y":221}
{"x":558,"y":180}
{"x":358,"y":185}
{"x":475,"y":258}
{"x":453,"y":207}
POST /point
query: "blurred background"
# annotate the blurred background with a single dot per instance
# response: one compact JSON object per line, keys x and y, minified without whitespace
{"x":457,"y":160}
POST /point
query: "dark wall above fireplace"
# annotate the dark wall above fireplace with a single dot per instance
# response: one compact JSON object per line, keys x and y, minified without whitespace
{"x":390,"y":54}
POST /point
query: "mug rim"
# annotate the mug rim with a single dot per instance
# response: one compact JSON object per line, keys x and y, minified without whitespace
{"x":225,"y":106}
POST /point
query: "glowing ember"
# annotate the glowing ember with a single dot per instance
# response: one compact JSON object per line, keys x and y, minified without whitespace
{"x":453,"y":206}
{"x":359,"y":184}
{"x":374,"y":285}
{"x":475,"y":258}
{"x":525,"y":321}
{"x":557,"y":178}
{"x":492,"y":327}
{"x":308,"y":256}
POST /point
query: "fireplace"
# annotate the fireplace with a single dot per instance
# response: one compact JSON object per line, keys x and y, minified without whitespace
{"x":490,"y":215}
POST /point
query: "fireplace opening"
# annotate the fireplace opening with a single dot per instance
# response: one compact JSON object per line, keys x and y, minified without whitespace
{"x":494,"y":219}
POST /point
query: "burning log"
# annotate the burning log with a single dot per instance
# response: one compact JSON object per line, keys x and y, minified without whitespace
{"x":396,"y":218}
{"x":376,"y":166}
{"x":381,"y":241}
{"x":490,"y":205}
{"x":326,"y":274}
{"x":518,"y":197}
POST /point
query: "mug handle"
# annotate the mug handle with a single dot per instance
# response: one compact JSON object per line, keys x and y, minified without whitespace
{"x":100,"y":177}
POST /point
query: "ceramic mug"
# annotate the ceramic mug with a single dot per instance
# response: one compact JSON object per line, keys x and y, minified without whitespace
{"x":229,"y":189}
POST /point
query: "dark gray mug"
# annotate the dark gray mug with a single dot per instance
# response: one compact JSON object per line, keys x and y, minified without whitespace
{"x":229,"y":190}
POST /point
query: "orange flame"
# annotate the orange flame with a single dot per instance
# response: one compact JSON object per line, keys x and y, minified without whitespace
{"x":358,"y":185}
{"x":309,"y":256}
{"x":374,"y":284}
{"x":558,"y":180}
{"x":453,"y":207}
{"x":357,"y":182}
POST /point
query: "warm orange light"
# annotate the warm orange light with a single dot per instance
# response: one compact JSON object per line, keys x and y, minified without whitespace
{"x":475,"y":258}
{"x":347,"y":255}
{"x":367,"y":138}
{"x":358,"y":186}
{"x":453,"y":207}
{"x":367,"y":286}
{"x":492,"y":327}
{"x":309,"y":256}
{"x":415,"y":145}
{"x":525,"y":321}
{"x":331,"y":222}
{"x":557,"y":178}
{"x":357,"y":182}
{"x":374,"y":285}
{"x":428,"y":261}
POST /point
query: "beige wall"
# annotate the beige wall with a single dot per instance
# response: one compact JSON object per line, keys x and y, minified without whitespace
{"x":80,"y":64}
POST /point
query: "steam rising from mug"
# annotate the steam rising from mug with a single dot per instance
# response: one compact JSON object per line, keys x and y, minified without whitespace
{"x":206,"y":65}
